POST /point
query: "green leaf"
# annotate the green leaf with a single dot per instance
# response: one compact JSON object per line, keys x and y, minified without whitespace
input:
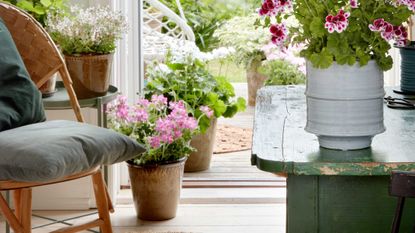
{"x":26,"y":5}
{"x":385,"y":63}
{"x":176,"y":66}
{"x":219,"y":108}
{"x":322,"y":60}
{"x":317,"y":27}
{"x":46,"y":3}
{"x":204,"y":124}
{"x":241,"y":103}
{"x":39,"y":10}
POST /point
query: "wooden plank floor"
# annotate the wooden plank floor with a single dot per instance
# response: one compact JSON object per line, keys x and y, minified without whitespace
{"x":201,"y":218}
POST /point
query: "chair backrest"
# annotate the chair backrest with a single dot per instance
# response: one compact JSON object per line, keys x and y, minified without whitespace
{"x":159,"y":17}
{"x":40,"y":54}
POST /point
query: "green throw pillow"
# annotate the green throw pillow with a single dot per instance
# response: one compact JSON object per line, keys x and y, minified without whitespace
{"x":20,"y":100}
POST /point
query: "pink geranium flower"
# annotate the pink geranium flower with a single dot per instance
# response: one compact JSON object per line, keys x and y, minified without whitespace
{"x":338,"y":22}
{"x":279,"y":34}
{"x":273,"y":7}
{"x":207,"y":111}
{"x":390,"y":32}
{"x":354,"y":3}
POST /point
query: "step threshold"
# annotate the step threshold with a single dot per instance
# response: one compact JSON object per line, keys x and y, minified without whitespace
{"x":222,"y":196}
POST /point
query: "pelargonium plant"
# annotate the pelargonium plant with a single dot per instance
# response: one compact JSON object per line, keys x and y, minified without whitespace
{"x":165,"y":128}
{"x":94,"y":30}
{"x":344,"y":31}
{"x":186,"y":78}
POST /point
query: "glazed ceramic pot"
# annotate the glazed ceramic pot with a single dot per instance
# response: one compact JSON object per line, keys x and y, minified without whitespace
{"x":408,"y":69}
{"x":345,"y":105}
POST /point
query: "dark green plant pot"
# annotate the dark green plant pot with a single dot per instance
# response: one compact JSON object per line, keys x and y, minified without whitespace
{"x":408,"y":69}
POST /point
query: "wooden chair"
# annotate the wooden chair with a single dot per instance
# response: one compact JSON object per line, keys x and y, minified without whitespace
{"x":42,"y":60}
{"x":402,"y":185}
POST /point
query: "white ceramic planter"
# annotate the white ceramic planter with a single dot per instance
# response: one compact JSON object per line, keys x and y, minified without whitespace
{"x":345,"y":105}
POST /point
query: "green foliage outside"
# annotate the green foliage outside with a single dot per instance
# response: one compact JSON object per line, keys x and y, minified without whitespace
{"x":226,"y":67}
{"x":280,"y":72}
{"x":40,"y":8}
{"x":241,"y":33}
{"x":191,"y":82}
{"x":205,"y":16}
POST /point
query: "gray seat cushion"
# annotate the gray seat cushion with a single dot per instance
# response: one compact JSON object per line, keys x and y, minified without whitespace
{"x":54,"y":149}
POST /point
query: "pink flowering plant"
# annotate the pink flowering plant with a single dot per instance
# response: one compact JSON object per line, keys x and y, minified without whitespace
{"x":165,"y":128}
{"x":342,"y":31}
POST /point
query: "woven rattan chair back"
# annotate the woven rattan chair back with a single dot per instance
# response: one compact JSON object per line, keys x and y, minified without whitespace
{"x":40,"y":54}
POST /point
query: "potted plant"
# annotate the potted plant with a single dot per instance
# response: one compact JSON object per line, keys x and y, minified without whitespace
{"x":281,"y":72}
{"x":39,"y":10}
{"x":248,"y":41}
{"x":346,"y":47}
{"x":165,"y":129}
{"x":186,"y":78}
{"x":87,"y":38}
{"x":407,"y":52}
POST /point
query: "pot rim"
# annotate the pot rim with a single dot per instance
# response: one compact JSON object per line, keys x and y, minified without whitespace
{"x":411,"y":46}
{"x":86,"y":56}
{"x":163,"y":164}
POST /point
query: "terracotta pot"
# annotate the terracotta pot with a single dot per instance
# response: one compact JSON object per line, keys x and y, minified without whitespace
{"x":90,"y":74}
{"x":156,"y":189}
{"x":49,"y":88}
{"x":200,"y":159}
{"x":255,"y":81}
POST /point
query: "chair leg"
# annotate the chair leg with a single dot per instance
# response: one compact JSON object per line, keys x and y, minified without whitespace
{"x":10,"y":216}
{"x":26,"y":209}
{"x":17,"y":202}
{"x":398,"y":215}
{"x":110,"y":205}
{"x":102,"y":203}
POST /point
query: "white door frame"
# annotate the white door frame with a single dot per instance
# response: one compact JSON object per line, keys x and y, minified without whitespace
{"x":128,"y":72}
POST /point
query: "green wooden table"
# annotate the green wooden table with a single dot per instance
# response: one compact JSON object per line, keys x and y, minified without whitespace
{"x":327,"y":190}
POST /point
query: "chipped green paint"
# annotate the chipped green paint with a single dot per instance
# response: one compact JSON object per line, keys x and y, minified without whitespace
{"x":343,"y":204}
{"x":350,"y":169}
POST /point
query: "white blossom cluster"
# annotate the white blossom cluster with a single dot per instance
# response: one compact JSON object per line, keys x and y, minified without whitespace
{"x":157,"y":45}
{"x":87,"y":28}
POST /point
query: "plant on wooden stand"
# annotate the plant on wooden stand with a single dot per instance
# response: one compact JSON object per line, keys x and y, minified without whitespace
{"x":165,"y":128}
{"x":343,"y":40}
{"x":184,"y":77}
{"x":88,"y":39}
